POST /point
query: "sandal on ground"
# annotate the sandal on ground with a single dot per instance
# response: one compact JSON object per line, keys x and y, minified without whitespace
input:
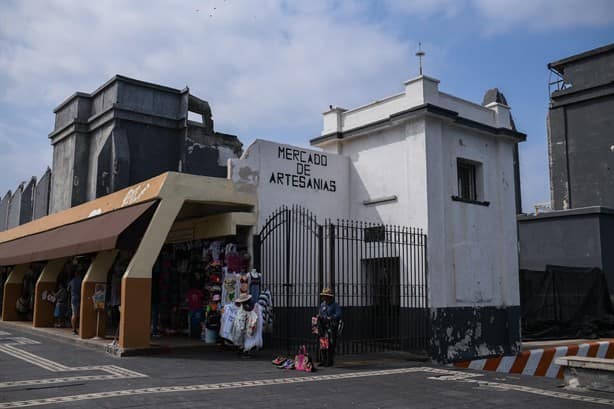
{"x":285,"y":363}
{"x":278,"y":360}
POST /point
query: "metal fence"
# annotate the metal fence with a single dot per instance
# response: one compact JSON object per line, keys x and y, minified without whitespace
{"x":378,"y":273}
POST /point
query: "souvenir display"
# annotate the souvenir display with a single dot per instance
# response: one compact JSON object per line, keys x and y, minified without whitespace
{"x":202,"y":288}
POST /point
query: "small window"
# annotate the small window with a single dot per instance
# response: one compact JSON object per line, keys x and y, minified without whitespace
{"x":466,"y":180}
{"x":375,"y":234}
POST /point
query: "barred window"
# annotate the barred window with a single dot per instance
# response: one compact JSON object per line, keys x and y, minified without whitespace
{"x":466,"y":179}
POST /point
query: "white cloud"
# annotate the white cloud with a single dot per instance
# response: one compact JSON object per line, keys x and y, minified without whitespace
{"x":542,"y":15}
{"x":265,"y":65}
{"x":446,"y":8}
{"x":496,"y":16}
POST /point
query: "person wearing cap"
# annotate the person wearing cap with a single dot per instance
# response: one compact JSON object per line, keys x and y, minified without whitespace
{"x":329,"y":316}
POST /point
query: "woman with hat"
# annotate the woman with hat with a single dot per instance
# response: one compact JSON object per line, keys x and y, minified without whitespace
{"x":329,"y":316}
{"x":246,"y":331}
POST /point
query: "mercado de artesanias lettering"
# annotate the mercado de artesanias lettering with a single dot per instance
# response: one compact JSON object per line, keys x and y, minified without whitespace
{"x":302,"y":178}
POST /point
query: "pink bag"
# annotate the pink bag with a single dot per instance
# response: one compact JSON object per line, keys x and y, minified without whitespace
{"x":299,"y":359}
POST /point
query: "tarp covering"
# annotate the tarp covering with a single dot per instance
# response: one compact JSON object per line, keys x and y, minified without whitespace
{"x":121,"y":229}
{"x":565,"y":302}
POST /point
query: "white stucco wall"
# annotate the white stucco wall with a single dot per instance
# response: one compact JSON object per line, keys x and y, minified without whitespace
{"x":472,"y":248}
{"x":285,"y":175}
{"x":472,"y":251}
{"x":391,"y":162}
{"x":472,"y":257}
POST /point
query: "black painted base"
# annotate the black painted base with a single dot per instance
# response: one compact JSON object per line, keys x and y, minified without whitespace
{"x":465,"y":333}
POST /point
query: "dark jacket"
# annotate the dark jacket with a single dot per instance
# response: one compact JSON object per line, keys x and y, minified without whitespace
{"x":332,"y":310}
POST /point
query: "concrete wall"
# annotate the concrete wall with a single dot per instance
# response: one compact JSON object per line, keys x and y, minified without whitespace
{"x":62,"y":174}
{"x":27,"y":202}
{"x":41,"y":196}
{"x":386,"y":164}
{"x":15,"y":207}
{"x":479,"y":241}
{"x":606,"y":228}
{"x":590,"y":72}
{"x":473,"y":267}
{"x":128,"y":131}
{"x":582,"y":154}
{"x":472,"y":250}
{"x":4,"y":210}
{"x":580,"y":122}
{"x":98,"y":162}
{"x":284,"y":175}
{"x":574,"y":238}
{"x":153,"y":100}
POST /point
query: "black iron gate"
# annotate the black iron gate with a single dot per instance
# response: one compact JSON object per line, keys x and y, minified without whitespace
{"x":378,"y":273}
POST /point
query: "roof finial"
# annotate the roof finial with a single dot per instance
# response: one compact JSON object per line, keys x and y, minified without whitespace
{"x":420,"y":54}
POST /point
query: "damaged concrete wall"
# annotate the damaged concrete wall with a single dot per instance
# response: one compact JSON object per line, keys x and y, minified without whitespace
{"x":41,"y":196}
{"x":208,"y":153}
{"x":576,"y":237}
{"x":15,"y":207}
{"x":62,"y":174}
{"x":128,"y":131}
{"x":4,"y":210}
{"x":465,"y":333}
{"x":27,"y":202}
{"x":580,"y":123}
{"x":473,"y":261}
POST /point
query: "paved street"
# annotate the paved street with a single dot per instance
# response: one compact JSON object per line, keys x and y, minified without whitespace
{"x":37,"y":371}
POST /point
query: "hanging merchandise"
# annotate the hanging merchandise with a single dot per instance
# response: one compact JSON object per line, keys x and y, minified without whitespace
{"x":253,"y":336}
{"x":246,"y":332}
{"x":243,"y":284}
{"x":245,"y":261}
{"x":254,"y":284}
{"x":229,"y":288}
{"x":213,"y":319}
{"x":266,"y":303}
{"x":233,"y":259}
{"x":216,"y":250}
{"x":229,"y":315}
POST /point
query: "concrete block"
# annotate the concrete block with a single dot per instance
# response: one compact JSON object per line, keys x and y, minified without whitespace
{"x":590,"y":373}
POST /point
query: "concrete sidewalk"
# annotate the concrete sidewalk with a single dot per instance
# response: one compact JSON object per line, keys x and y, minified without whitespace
{"x":163,"y":345}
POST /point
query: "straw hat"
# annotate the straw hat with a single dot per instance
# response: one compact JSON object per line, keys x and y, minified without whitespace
{"x":243,"y":298}
{"x":327,"y":292}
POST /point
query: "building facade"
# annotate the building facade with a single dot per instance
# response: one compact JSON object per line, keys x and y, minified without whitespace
{"x":439,"y":169}
{"x":580,"y":120}
{"x":426,"y":159}
{"x":123,"y":133}
{"x":577,"y":233}
{"x":128,"y":131}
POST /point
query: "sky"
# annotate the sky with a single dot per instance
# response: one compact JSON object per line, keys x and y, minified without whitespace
{"x":269,"y":68}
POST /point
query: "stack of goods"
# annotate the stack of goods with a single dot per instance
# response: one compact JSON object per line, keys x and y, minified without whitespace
{"x":213,"y":291}
{"x":302,"y":361}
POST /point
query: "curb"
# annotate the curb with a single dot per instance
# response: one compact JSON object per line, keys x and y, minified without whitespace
{"x":540,"y":362}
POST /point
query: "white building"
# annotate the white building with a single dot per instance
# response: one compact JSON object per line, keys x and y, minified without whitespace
{"x":425,"y":159}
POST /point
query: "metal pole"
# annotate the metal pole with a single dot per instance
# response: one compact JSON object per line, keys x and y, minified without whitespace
{"x":331,"y":245}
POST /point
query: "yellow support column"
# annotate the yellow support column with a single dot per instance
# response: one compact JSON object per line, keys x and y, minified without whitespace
{"x":96,"y":274}
{"x":43,"y":310}
{"x":12,"y":291}
{"x":135,"y":312}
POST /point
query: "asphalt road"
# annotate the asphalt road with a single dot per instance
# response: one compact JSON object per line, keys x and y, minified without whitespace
{"x":36,"y":371}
